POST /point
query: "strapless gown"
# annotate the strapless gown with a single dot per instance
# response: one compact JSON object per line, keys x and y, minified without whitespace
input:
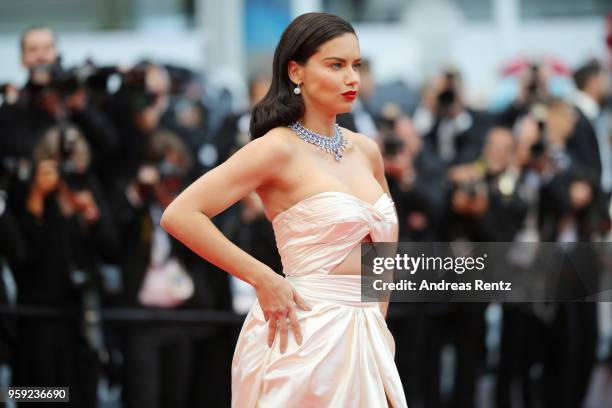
{"x":346,"y":356}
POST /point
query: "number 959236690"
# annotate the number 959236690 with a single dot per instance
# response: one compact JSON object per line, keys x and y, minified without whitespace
{"x":35,"y":394}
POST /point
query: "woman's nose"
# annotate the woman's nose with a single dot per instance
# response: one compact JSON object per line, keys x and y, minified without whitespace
{"x":352,"y":77}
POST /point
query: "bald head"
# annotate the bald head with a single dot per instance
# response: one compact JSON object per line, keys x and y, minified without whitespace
{"x":38,"y":47}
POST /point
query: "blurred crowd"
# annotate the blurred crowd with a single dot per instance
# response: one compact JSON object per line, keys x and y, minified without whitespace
{"x":91,"y":155}
{"x":538,"y":170}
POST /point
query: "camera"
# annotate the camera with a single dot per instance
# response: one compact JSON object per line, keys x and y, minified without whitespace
{"x":171,"y":176}
{"x":539,"y":149}
{"x":533,"y":83}
{"x":448,"y":96}
{"x":473,"y":188}
{"x":53,"y":77}
{"x":392,"y":144}
{"x":74,"y":177}
{"x":134,"y":90}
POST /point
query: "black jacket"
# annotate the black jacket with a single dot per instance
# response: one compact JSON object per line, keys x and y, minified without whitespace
{"x":136,"y":231}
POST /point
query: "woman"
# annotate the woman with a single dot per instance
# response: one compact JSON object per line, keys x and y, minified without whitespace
{"x":322,"y":204}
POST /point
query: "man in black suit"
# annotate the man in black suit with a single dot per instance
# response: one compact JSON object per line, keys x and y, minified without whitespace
{"x":590,"y":146}
{"x":46,"y":100}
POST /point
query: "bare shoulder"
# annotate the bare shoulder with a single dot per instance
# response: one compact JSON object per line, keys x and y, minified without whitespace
{"x":365,"y":144}
{"x":276,"y":145}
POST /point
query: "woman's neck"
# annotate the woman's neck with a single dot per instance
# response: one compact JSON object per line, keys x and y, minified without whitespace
{"x":322,"y":124}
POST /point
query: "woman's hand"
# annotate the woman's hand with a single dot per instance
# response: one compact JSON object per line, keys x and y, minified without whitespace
{"x":278,"y":300}
{"x":85,"y":204}
{"x":46,"y":180}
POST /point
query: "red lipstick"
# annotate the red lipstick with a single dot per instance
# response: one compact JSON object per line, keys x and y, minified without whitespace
{"x":350,"y":95}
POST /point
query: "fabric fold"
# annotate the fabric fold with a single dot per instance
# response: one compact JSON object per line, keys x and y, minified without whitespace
{"x":346,"y":358}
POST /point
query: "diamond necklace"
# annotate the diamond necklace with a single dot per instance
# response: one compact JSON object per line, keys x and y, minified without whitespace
{"x":333,"y":145}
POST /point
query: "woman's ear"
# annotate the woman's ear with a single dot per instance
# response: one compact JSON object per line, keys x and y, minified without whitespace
{"x":295,"y":72}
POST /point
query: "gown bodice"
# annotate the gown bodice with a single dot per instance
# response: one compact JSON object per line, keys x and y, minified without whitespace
{"x":318,"y":233}
{"x":346,"y":357}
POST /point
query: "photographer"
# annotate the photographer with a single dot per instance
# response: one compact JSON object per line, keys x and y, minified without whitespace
{"x":559,"y":336}
{"x":189,"y":118}
{"x":136,"y":109}
{"x":533,"y":89}
{"x":570,"y":214}
{"x":450,"y":129}
{"x":483,"y":205}
{"x":417,"y":185}
{"x":415,"y":176}
{"x":159,"y":272}
{"x":485,"y":201}
{"x":568,"y":190}
{"x":66,"y":226}
{"x":51,"y":95}
{"x":589,"y":144}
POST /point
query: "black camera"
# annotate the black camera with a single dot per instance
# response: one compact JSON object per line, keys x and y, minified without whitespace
{"x":171,"y":176}
{"x":539,"y":148}
{"x":52,"y":77}
{"x":448,"y":96}
{"x":74,"y":177}
{"x":533,"y":83}
{"x":392,"y":145}
{"x":473,"y":188}
{"x":134,"y":90}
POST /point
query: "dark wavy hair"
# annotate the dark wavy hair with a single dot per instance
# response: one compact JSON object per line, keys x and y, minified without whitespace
{"x":300,"y":40}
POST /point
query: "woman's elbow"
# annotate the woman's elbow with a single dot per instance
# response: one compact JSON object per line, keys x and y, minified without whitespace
{"x":169,"y":219}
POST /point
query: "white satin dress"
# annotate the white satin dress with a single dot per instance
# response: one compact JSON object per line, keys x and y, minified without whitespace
{"x":346,"y":356}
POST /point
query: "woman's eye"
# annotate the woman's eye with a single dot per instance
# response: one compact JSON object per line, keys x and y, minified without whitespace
{"x":336,"y":65}
{"x":357,"y":66}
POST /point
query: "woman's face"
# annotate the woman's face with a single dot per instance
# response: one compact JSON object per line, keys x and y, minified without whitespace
{"x":329,"y":80}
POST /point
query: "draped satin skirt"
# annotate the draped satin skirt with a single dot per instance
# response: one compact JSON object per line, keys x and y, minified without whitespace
{"x":345,"y":359}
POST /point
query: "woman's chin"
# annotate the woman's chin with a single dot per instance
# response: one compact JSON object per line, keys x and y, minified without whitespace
{"x":345,"y":108}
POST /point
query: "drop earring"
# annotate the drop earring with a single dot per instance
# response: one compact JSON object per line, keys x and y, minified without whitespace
{"x":297,"y":90}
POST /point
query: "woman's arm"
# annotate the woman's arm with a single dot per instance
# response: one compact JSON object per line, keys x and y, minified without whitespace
{"x":187,"y":218}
